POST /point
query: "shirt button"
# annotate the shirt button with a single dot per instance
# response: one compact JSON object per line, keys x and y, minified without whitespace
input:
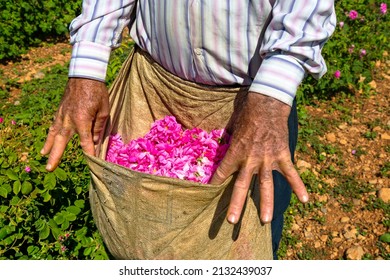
{"x":198,"y":51}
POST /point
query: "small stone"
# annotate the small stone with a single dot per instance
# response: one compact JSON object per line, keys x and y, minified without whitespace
{"x":361,"y":237}
{"x":343,"y":126}
{"x":385,"y":136}
{"x":351,"y":234}
{"x":317,"y":244}
{"x":337,"y":240}
{"x":295,"y":227}
{"x":372,"y":84}
{"x":39,"y":75}
{"x":303,"y":166}
{"x":354,"y":253}
{"x":330,"y":182}
{"x":344,"y":219}
{"x":331,"y":137}
{"x":377,"y":128}
{"x":322,"y":198}
{"x":343,"y":142}
{"x":308,"y":234}
{"x":384,"y":194}
{"x":356,"y":202}
{"x":373,"y":181}
{"x":334,"y":233}
{"x":324,"y":238}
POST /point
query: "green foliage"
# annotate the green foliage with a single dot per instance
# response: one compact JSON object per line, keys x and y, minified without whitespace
{"x":117,"y":58}
{"x":27,"y":23}
{"x":42,"y":215}
{"x":344,"y":51}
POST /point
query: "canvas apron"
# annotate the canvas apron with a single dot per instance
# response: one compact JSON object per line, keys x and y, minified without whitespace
{"x":142,"y":216}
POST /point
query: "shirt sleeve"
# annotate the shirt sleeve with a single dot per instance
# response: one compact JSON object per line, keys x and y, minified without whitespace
{"x":95,"y":33}
{"x":292,"y":46}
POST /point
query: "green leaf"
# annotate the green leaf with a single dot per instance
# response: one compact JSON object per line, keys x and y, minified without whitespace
{"x":31,"y":250}
{"x":79,"y":190}
{"x":79,"y":203}
{"x":70,"y":217}
{"x":3,"y":208}
{"x":17,"y":187}
{"x":14,"y":201}
{"x":12,"y":175}
{"x":49,"y":182}
{"x":73,"y":209}
{"x":60,"y":173}
{"x":385,"y":237}
{"x":46,"y":196}
{"x":87,"y":251}
{"x":44,"y":232}
{"x":3,"y":233}
{"x":54,"y":228}
{"x":59,"y":218}
{"x":3,"y":192}
{"x":26,"y":187}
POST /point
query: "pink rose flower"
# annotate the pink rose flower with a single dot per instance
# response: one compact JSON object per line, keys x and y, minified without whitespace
{"x":341,"y":24}
{"x":383,"y":8}
{"x":1,"y":120}
{"x":168,"y":150}
{"x":27,"y":169}
{"x":337,"y":74}
{"x":353,"y":14}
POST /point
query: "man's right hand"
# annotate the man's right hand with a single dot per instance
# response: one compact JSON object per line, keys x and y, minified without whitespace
{"x":83,"y":110}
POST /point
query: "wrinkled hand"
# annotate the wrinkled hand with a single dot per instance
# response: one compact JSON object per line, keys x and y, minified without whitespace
{"x":259,"y":145}
{"x":83,"y":110}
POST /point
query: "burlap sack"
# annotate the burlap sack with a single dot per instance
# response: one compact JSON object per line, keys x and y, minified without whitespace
{"x":142,"y":216}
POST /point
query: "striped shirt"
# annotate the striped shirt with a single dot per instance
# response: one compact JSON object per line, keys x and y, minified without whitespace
{"x":268,"y":45}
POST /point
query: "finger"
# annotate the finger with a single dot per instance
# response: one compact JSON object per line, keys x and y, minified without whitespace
{"x":239,"y":195}
{"x":266,"y":187}
{"x":99,"y":125}
{"x":85,"y":134}
{"x":292,"y":176}
{"x":60,"y":142}
{"x":53,"y":130}
{"x":86,"y":142}
{"x":226,"y":168}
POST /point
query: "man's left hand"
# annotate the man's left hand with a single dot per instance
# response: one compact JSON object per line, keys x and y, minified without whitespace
{"x":259,"y":144}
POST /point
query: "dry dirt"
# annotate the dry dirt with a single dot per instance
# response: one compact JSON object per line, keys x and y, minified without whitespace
{"x":330,"y":230}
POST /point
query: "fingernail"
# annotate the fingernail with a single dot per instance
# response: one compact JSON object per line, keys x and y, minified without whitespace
{"x":305,"y":198}
{"x":48,"y":167}
{"x":42,"y":151}
{"x":232,"y":219}
{"x":266,"y":219}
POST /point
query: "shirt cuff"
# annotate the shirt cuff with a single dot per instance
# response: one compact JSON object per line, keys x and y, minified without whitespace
{"x":89,"y":60}
{"x":279,"y":77}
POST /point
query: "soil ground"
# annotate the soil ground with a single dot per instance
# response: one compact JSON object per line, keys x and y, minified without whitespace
{"x":338,"y":224}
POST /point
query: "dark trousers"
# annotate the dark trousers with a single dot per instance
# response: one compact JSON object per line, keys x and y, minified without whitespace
{"x":282,"y":190}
